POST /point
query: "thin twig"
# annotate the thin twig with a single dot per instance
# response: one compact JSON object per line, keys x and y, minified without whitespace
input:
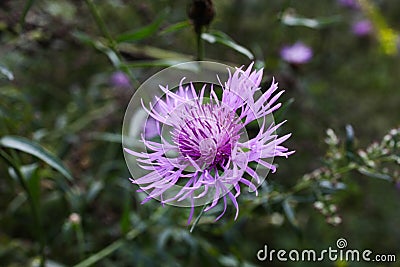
{"x":110,"y":248}
{"x":111,"y":42}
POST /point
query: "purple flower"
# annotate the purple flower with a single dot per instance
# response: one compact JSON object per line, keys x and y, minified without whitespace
{"x":297,"y":54}
{"x":362,"y":28}
{"x":206,"y":153}
{"x":120,"y":79}
{"x":349,"y":3}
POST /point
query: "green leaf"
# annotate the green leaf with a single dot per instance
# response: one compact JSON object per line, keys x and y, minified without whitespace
{"x":111,"y":54}
{"x":289,"y":212}
{"x":175,"y":27}
{"x":36,"y":150}
{"x":290,"y":215}
{"x":155,"y":63}
{"x":224,"y":39}
{"x":349,"y":133}
{"x":372,"y":174}
{"x":163,"y":238}
{"x":86,"y":39}
{"x":228,"y":261}
{"x":16,"y":203}
{"x":6,"y":72}
{"x":349,"y":138}
{"x":291,"y":19}
{"x":125,"y":217}
{"x":94,"y":190}
{"x":107,"y":137}
{"x":83,"y":38}
{"x":143,"y":32}
{"x":25,"y":11}
{"x":32,"y":177}
{"x":332,"y":187}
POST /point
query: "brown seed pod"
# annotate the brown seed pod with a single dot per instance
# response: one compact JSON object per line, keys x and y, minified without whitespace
{"x":201,"y":13}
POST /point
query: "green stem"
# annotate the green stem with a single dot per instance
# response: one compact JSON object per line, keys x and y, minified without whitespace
{"x":27,"y":7}
{"x":34,"y":209}
{"x":81,"y":239}
{"x":111,"y":42}
{"x":99,"y":21}
{"x":200,"y":45}
{"x":110,"y":248}
{"x":101,"y":254}
{"x":197,"y":219}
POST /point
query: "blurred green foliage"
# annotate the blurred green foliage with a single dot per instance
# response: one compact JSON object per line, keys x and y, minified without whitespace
{"x":65,"y":195}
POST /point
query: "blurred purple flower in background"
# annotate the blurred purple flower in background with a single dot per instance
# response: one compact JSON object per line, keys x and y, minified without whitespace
{"x":210,"y":158}
{"x":398,"y":185}
{"x":362,"y":28}
{"x":151,"y":129}
{"x":296,"y":54}
{"x":349,"y":3}
{"x":120,"y":79}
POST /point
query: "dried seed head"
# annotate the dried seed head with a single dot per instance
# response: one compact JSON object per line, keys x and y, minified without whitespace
{"x":201,"y":13}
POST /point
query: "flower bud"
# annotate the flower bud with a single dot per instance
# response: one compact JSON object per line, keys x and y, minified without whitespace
{"x":201,"y":13}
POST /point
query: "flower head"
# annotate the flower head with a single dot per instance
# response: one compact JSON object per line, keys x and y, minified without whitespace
{"x":297,"y":54}
{"x":203,"y":147}
{"x":362,"y":28}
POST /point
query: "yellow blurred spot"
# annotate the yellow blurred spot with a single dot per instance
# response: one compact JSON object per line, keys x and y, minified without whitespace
{"x":388,"y":41}
{"x":387,"y":36}
{"x":341,"y":264}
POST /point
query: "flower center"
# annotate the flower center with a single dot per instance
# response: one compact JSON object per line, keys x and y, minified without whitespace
{"x":206,"y":134}
{"x":208,"y":150}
